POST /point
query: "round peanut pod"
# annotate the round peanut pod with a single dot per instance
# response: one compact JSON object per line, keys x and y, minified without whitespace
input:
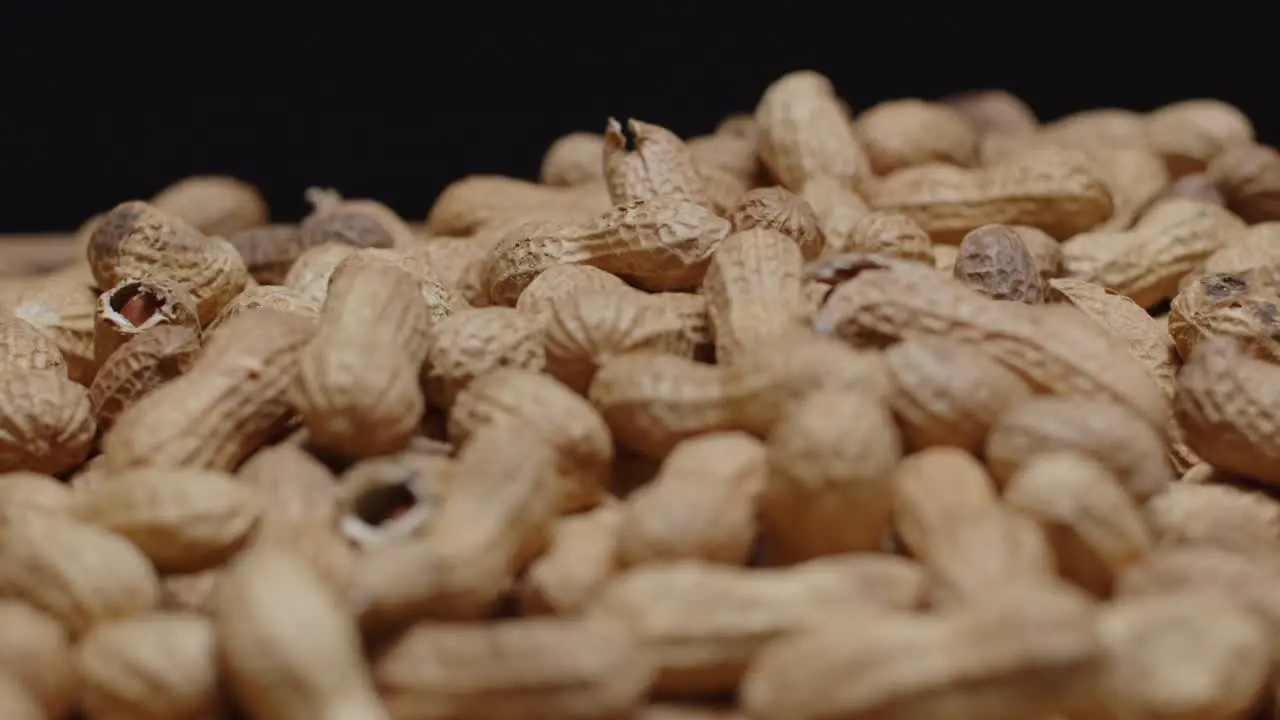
{"x":46,"y":422}
{"x":214,"y":204}
{"x":780,"y":210}
{"x":135,"y":240}
{"x":573,"y":159}
{"x":276,"y":297}
{"x":268,"y":251}
{"x":136,"y":305}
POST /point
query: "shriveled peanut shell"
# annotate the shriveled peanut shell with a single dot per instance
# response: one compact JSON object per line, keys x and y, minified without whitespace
{"x":1104,"y":431}
{"x":286,"y":645}
{"x":706,"y":623}
{"x":545,"y":667}
{"x":566,"y":420}
{"x":46,"y":421}
{"x":214,"y":204}
{"x":890,"y":234}
{"x":701,"y":505}
{"x":995,"y":261}
{"x":472,"y":342}
{"x":1096,"y":529}
{"x":183,"y":520}
{"x":838,"y":669}
{"x":948,"y":393}
{"x":905,"y":133}
{"x":78,"y":574}
{"x":780,"y":210}
{"x":37,"y":653}
{"x":24,"y":347}
{"x":830,"y":461}
{"x":146,"y":362}
{"x":580,"y":558}
{"x":160,"y":666}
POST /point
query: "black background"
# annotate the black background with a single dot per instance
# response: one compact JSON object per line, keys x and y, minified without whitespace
{"x":393,"y":103}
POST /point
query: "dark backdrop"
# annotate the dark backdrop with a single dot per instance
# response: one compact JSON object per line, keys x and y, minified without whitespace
{"x":395,"y":104}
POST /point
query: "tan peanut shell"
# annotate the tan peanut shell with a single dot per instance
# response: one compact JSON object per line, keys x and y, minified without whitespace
{"x":1052,"y":189}
{"x":472,"y":342}
{"x":64,"y":310}
{"x":1217,"y":516}
{"x":1105,"y":431}
{"x":994,"y":112}
{"x":46,"y":421}
{"x":471,"y":203}
{"x":37,"y":653}
{"x":778,"y":209}
{"x":268,"y":251}
{"x":701,"y":505}
{"x":356,"y":387}
{"x":286,"y":645}
{"x":573,"y":159}
{"x":137,"y":240}
{"x":78,"y":574}
{"x":153,"y":667}
{"x":184,"y":521}
{"x":905,"y":133}
{"x":231,"y":401}
{"x":540,"y":404}
{"x":136,"y":305}
{"x":1249,"y":178}
{"x":214,"y":204}
{"x":581,"y":557}
{"x":1095,"y":527}
{"x":1054,"y":349}
{"x":830,"y":461}
{"x":1189,"y":134}
{"x":705,"y":623}
{"x":948,"y":393}
{"x":546,"y":667}
{"x":806,"y":133}
{"x":24,"y":347}
{"x":148,"y":361}
{"x":25,"y":491}
{"x":278,"y":297}
{"x":645,"y":160}
{"x":753,"y":291}
{"x":839,"y":669}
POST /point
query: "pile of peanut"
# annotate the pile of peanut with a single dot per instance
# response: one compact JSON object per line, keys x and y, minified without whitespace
{"x":928,"y":412}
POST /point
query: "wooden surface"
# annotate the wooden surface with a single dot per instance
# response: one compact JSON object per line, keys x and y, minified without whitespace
{"x":27,"y":254}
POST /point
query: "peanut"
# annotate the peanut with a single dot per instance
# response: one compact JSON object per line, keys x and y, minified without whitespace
{"x":814,"y":414}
